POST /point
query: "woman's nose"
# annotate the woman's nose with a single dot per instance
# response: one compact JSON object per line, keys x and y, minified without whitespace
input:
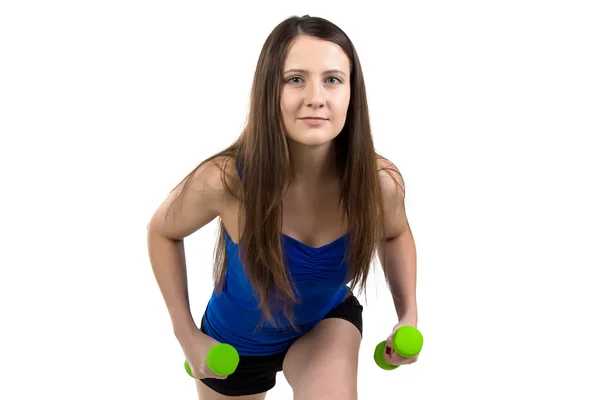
{"x":314,"y":94}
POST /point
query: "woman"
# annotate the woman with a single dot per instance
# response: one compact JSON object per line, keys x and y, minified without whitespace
{"x":304,"y":202}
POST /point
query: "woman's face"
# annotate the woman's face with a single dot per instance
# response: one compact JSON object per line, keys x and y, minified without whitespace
{"x":316,"y":84}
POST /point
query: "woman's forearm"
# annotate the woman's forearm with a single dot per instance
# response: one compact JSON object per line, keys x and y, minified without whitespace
{"x":401,"y":274}
{"x":167,"y":258}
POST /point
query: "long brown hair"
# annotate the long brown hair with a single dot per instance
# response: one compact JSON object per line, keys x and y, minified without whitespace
{"x":262,"y":154}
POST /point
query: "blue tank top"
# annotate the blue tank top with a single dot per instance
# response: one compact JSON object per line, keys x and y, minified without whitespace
{"x":319,"y":275}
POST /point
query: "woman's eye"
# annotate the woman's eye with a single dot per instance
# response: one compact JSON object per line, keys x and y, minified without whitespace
{"x":293,"y":80}
{"x":331,"y":80}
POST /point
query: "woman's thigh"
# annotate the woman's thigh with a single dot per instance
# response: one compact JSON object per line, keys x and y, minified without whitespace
{"x":323,"y":363}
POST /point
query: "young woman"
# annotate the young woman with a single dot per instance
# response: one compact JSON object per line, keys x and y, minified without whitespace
{"x":304,"y":203}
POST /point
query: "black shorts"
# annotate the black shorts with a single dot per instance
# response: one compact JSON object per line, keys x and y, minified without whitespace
{"x":256,"y":374}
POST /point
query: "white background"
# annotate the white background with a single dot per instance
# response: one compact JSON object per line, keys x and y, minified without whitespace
{"x":489,"y":109}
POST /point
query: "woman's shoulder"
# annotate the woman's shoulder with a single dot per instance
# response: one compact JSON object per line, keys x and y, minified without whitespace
{"x":391,"y":183}
{"x":389,"y":174}
{"x":218,"y":173}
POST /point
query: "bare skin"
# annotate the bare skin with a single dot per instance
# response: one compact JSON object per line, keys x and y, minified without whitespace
{"x":317,"y":368}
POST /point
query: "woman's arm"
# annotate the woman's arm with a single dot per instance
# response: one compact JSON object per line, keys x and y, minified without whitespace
{"x":167,"y":229}
{"x":397,"y":251}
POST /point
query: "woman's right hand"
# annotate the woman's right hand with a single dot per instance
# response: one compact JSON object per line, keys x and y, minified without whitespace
{"x":195,"y":346}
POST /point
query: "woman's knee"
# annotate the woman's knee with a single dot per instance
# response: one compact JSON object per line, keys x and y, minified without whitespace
{"x":326,"y":392}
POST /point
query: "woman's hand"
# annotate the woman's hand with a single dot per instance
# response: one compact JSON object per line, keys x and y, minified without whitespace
{"x":195,"y":346}
{"x":391,"y":357}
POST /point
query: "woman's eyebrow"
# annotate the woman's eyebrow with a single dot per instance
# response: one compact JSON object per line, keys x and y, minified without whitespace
{"x":329,"y":71}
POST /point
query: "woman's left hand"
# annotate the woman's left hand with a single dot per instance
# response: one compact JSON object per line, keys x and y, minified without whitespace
{"x":391,"y":357}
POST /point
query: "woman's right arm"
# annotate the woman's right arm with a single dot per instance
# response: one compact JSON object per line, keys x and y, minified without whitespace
{"x":168,"y":227}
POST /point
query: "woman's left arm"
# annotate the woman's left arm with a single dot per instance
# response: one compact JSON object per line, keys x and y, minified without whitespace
{"x":396,"y":250}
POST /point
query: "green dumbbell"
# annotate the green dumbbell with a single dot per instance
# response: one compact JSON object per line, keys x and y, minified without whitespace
{"x":407,"y":342}
{"x":222,"y":359}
